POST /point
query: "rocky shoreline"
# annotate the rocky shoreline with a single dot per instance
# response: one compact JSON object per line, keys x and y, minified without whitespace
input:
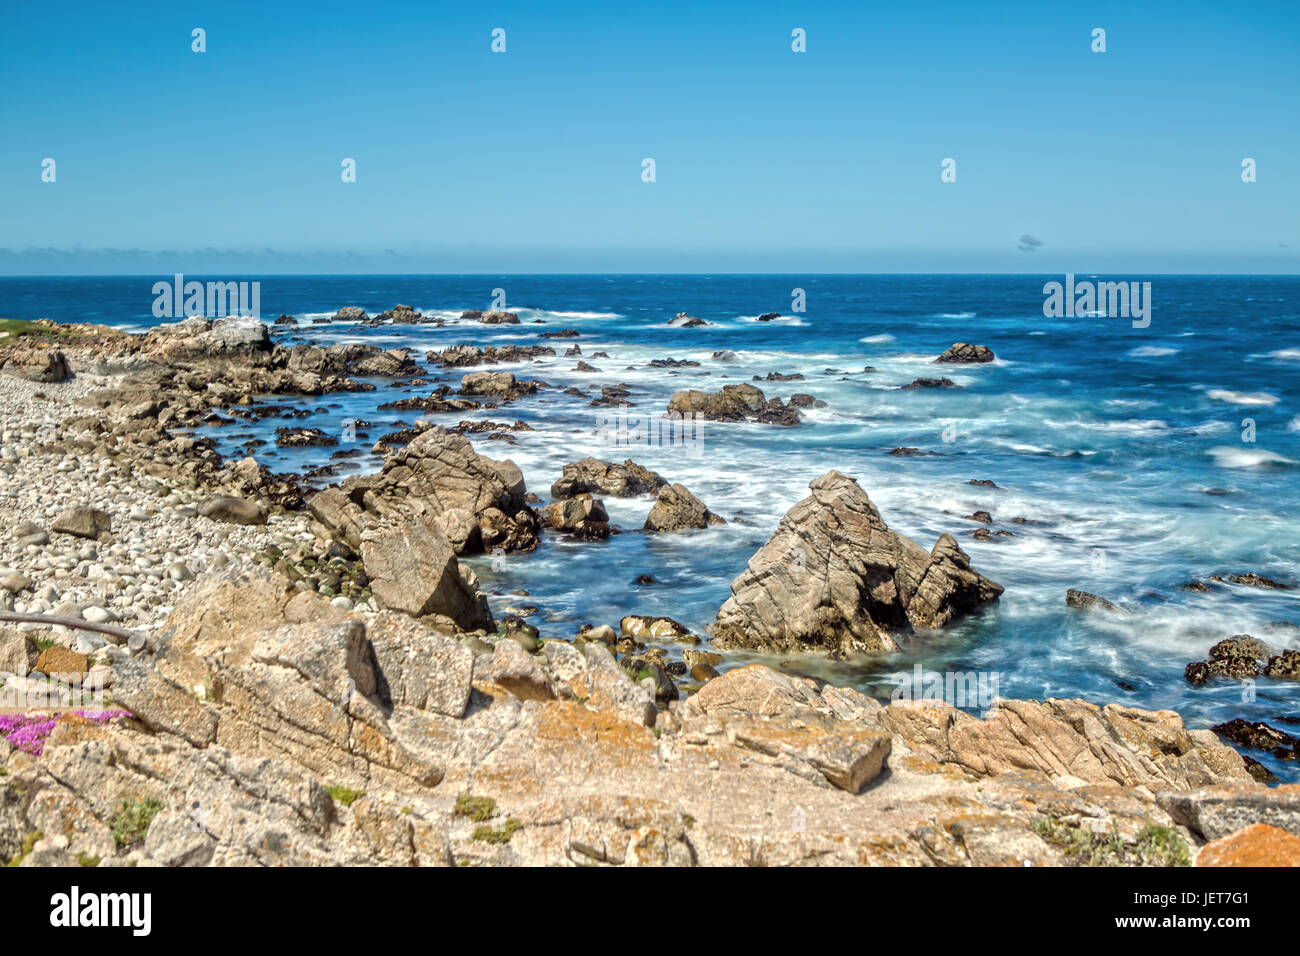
{"x":319,"y":679}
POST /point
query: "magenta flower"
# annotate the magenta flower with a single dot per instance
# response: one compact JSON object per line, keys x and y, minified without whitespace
{"x":28,"y":732}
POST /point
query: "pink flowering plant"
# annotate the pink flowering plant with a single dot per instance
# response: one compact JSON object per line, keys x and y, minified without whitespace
{"x":28,"y":732}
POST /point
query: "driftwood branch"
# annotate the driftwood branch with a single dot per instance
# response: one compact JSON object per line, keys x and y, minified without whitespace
{"x":126,"y":636}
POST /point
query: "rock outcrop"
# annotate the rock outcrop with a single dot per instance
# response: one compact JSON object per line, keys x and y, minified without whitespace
{"x":833,"y":577}
{"x":593,"y":476}
{"x":269,"y":728}
{"x":38,"y":362}
{"x":502,"y":386}
{"x":476,"y":502}
{"x":1071,"y":740}
{"x":734,"y":403}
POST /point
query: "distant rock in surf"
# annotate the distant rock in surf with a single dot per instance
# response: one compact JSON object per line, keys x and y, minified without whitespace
{"x":964,"y":353}
{"x":930,"y":383}
{"x":734,"y":403}
{"x":1088,"y":601}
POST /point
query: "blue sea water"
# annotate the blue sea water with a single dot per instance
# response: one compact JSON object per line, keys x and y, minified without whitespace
{"x":1124,"y":448}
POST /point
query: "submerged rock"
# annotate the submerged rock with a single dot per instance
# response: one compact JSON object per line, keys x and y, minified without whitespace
{"x":1252,"y":580}
{"x":1257,"y":735}
{"x":833,"y":577}
{"x":1088,"y":601}
{"x":930,"y":383}
{"x":1238,"y":657}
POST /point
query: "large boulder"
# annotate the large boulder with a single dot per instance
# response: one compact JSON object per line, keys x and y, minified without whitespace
{"x":231,"y":509}
{"x":676,"y":509}
{"x":83,"y":523}
{"x":593,"y":476}
{"x":583,"y":516}
{"x":834,"y":577}
{"x":413,"y":569}
{"x":478,"y":503}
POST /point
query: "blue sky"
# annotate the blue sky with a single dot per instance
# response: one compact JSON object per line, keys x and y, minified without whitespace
{"x":766,"y":160}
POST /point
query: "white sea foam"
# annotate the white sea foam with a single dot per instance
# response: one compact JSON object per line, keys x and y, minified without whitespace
{"x":577,"y":315}
{"x":1242,"y":398}
{"x":877,"y":339}
{"x":1291,"y":355}
{"x":1129,"y":425}
{"x":1230,"y":456}
{"x":953,"y":315}
{"x":1151,"y":351}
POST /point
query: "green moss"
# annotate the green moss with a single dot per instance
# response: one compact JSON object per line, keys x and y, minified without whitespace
{"x":28,"y":842}
{"x":13,"y":327}
{"x":477,"y":809}
{"x":344,"y":795}
{"x":20,"y":328}
{"x":688,"y":820}
{"x":86,"y":859}
{"x":486,"y":834}
{"x":133,"y":819}
{"x":1162,"y":846}
{"x":1155,"y":846}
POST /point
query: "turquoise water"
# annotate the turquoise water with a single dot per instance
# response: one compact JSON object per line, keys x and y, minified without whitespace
{"x":1123,"y":448}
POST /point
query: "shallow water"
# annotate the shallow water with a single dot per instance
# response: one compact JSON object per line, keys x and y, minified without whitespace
{"x":1124,"y":448}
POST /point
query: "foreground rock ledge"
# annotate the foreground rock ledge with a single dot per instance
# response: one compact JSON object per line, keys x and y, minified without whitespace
{"x":271,"y":728}
{"x":834,"y":577}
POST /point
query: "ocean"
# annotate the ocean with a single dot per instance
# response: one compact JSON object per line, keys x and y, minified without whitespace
{"x":1140,"y":458}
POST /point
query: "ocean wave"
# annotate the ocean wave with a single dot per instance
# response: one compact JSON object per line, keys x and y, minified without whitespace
{"x":1230,"y":456}
{"x":1151,"y":351}
{"x":576,"y":315}
{"x":1129,"y":425}
{"x":1290,"y":355}
{"x":877,"y":339}
{"x":953,"y":315}
{"x":1242,"y":398}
